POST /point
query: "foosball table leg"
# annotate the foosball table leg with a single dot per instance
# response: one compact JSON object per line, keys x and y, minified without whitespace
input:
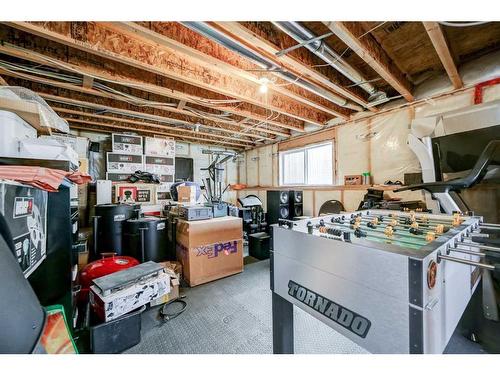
{"x":282,"y":325}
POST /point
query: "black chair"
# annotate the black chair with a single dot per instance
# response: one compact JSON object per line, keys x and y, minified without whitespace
{"x":331,"y":207}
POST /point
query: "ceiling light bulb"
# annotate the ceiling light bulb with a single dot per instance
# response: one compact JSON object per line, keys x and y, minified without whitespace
{"x":263,"y":85}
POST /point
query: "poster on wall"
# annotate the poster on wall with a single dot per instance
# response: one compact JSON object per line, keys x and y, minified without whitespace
{"x":25,"y":210}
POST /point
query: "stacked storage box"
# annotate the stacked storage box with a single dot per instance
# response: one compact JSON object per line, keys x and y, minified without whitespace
{"x":160,"y":159}
{"x":126,"y":157}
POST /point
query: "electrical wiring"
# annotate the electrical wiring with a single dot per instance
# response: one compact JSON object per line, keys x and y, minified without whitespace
{"x":103,"y":88}
{"x":129,"y":84}
{"x":14,"y":69}
{"x":131,"y":99}
{"x":106,"y":89}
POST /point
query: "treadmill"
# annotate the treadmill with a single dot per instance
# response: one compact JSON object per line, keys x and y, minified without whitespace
{"x":481,"y":177}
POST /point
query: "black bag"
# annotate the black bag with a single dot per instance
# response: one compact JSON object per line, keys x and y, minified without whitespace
{"x":22,"y":318}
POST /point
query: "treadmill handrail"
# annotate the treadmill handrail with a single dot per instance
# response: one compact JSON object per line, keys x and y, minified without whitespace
{"x":475,"y":175}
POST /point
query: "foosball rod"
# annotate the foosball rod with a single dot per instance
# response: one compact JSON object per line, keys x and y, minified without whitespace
{"x":386,"y":238}
{"x":399,"y":233}
{"x":479,"y":246}
{"x":468,"y":262}
{"x":409,"y":234}
{"x":470,"y":252}
{"x":489,"y":226}
{"x":420,"y":222}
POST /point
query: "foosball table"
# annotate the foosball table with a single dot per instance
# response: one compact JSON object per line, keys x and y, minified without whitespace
{"x":392,"y":282}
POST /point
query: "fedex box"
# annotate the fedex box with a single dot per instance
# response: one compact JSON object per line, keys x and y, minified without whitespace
{"x":210,"y":249}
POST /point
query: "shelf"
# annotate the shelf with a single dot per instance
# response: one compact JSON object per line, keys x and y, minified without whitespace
{"x":324,"y":188}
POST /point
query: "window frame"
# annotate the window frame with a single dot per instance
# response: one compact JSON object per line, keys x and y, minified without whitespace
{"x":304,"y":149}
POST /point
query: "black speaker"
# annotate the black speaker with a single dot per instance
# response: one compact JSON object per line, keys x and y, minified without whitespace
{"x":278,"y":206}
{"x":295,"y":203}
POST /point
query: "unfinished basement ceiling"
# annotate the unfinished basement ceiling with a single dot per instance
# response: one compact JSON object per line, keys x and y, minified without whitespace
{"x":203,"y":81}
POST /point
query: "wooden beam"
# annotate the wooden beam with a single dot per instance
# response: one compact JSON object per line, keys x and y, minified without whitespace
{"x":256,"y":42}
{"x":125,"y":112}
{"x":3,"y":82}
{"x":440,"y":44}
{"x":181,"y":105}
{"x":140,"y":123}
{"x":210,"y":125}
{"x":233,"y":64}
{"x":199,"y":137}
{"x":101,"y":74}
{"x":366,"y":47}
{"x":108,"y":128}
{"x":103,"y":40}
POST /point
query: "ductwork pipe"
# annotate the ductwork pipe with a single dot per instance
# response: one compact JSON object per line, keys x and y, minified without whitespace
{"x":301,"y":34}
{"x":224,"y":40}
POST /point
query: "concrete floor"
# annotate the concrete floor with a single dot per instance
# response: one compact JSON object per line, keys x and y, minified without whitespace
{"x":233,"y":315}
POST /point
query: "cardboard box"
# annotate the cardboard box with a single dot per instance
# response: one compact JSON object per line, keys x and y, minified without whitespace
{"x":163,"y":193}
{"x":186,"y":194}
{"x":113,"y":305}
{"x":79,"y":144}
{"x":117,"y":177}
{"x":123,"y":163}
{"x":159,"y":146}
{"x":135,"y":193}
{"x":83,"y":196}
{"x":174,"y":270}
{"x":14,"y":129}
{"x":127,"y":143}
{"x":210,"y":249}
{"x":166,"y":178}
{"x":159,"y":165}
{"x":46,"y":148}
{"x":81,"y":249}
{"x":83,"y":165}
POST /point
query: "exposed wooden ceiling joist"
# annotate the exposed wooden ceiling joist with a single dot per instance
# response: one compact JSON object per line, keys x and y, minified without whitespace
{"x":106,"y":76}
{"x":366,"y":47}
{"x":440,"y":44}
{"x":256,"y":42}
{"x":177,"y":36}
{"x":206,"y":124}
{"x":66,"y":111}
{"x":120,"y":111}
{"x":102,"y":39}
{"x":159,"y":132}
{"x":108,"y":128}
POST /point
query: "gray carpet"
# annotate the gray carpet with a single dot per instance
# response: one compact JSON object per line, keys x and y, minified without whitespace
{"x":233,"y":315}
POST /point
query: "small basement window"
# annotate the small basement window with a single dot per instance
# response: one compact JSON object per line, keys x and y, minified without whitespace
{"x":309,"y":165}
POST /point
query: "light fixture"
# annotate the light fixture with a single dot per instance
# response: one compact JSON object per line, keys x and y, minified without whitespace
{"x":264,"y":82}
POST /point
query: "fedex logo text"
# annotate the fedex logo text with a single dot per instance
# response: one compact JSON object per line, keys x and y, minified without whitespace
{"x":213,"y":251}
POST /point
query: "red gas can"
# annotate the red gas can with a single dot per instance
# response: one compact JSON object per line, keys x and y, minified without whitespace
{"x":110,"y":263}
